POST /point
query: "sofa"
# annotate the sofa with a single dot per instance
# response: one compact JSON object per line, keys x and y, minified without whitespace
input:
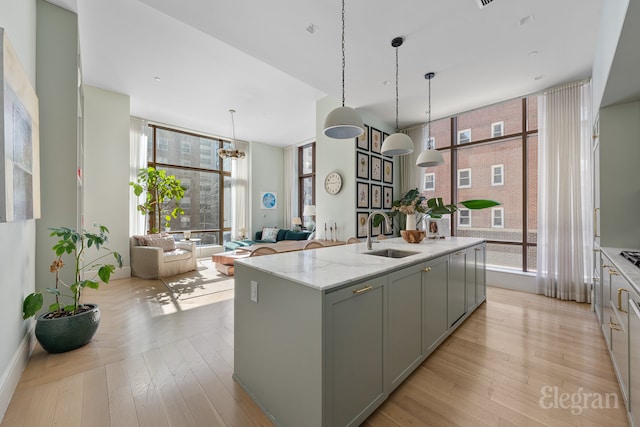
{"x":155,"y":256}
{"x":275,"y":236}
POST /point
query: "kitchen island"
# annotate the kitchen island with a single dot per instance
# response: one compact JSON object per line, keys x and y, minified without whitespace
{"x":322,"y":337}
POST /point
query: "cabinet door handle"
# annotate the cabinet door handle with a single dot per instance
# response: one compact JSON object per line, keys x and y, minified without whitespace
{"x":596,"y":279}
{"x":477,"y":249}
{"x":459,"y":253}
{"x":607,"y":266}
{"x":614,"y":272}
{"x":620,"y":291}
{"x":426,"y":269}
{"x":362,"y":290}
{"x":615,"y":326}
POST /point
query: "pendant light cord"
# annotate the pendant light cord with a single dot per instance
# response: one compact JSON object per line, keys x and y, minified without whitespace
{"x":429,"y":116}
{"x":233,"y":130}
{"x":343,"y":55}
{"x":397,"y":127}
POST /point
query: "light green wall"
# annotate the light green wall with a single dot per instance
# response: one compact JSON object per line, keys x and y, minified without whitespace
{"x":17,"y":254}
{"x":267,"y":166}
{"x":106,"y":146}
{"x":338,"y":155}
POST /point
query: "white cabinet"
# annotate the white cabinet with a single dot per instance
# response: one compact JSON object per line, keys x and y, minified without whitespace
{"x":354,"y":351}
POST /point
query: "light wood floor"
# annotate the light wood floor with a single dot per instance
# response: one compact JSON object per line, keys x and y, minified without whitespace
{"x":156,"y":361}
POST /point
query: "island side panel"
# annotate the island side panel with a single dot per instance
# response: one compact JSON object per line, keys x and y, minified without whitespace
{"x":278,"y":346}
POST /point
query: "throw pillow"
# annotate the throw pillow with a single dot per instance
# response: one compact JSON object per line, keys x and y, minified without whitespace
{"x":165,"y":243}
{"x":142,"y":240}
{"x":269,"y":233}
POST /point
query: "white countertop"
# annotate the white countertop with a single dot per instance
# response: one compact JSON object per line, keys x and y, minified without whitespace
{"x":626,"y":268}
{"x":326,"y":268}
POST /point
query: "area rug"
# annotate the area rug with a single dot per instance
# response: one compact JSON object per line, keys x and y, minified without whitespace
{"x":205,"y":280}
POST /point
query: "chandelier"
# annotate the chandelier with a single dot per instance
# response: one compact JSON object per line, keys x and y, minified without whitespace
{"x":232,"y":152}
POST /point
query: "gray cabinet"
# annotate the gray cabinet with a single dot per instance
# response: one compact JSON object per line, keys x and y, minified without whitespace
{"x":456,"y":305}
{"x":435,"y":278}
{"x":405,"y":302}
{"x":354,"y":351}
{"x":634,"y":358}
{"x":616,"y":322}
{"x":480,"y":264}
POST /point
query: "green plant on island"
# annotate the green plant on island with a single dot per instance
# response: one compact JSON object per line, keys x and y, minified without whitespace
{"x":413,"y":202}
{"x":162,"y":196}
{"x":72,"y":242}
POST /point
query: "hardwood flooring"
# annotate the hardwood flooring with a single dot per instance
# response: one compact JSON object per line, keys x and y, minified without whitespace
{"x":157,"y":361}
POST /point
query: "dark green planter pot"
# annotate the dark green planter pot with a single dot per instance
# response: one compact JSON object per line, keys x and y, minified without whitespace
{"x":67,"y":333}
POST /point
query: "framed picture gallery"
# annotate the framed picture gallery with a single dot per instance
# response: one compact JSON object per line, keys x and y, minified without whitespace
{"x":374,"y":179}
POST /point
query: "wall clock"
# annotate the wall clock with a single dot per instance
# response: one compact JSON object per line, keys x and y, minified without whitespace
{"x":333,"y":183}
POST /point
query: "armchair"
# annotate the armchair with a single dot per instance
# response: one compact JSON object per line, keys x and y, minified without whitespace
{"x":152,"y":262}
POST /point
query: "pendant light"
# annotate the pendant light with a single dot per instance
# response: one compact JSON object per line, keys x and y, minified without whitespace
{"x":343,"y":122}
{"x":231,"y":153}
{"x":429,"y":157}
{"x":398,"y":143}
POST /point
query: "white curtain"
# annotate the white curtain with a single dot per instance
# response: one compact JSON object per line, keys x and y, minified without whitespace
{"x":411,"y":176}
{"x":240,"y":206}
{"x":139,"y":136}
{"x":290,"y":184}
{"x":564,"y":192}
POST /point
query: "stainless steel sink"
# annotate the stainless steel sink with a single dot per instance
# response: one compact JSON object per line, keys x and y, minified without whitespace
{"x":391,"y":253}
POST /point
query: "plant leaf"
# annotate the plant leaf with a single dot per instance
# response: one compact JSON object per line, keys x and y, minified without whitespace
{"x":32,"y":304}
{"x":479,"y":204}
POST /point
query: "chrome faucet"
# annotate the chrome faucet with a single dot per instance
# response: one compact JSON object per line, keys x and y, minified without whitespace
{"x":387,"y":223}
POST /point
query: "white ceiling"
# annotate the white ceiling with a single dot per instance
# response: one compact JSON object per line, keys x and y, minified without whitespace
{"x":256,"y":57}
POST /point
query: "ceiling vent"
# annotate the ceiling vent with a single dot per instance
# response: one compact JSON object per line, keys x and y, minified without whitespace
{"x":483,"y":3}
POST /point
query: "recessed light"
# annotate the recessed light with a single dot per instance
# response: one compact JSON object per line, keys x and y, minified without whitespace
{"x":539,"y":77}
{"x":533,"y":53}
{"x":156,"y":78}
{"x":386,"y":82}
{"x":312,"y":29}
{"x":526,"y":20}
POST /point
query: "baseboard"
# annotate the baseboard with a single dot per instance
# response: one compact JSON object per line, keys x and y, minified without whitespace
{"x":517,"y":281}
{"x":11,"y":376}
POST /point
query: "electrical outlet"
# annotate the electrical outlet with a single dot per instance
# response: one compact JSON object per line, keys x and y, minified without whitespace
{"x":254,"y":291}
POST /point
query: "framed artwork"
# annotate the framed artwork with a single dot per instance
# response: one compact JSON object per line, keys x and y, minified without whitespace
{"x":387,"y":197}
{"x":363,"y":195}
{"x":361,"y":224}
{"x":436,"y":228}
{"x":387,"y":171}
{"x":375,"y":230}
{"x":363,"y":140}
{"x":376,"y":196}
{"x":376,"y":168}
{"x":362,"y":165}
{"x":376,"y":140}
{"x":268,"y":200}
{"x":19,"y":140}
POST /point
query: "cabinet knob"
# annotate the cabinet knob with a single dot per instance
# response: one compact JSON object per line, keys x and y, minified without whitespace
{"x":426,"y":269}
{"x":613,"y":272}
{"x":362,"y":290}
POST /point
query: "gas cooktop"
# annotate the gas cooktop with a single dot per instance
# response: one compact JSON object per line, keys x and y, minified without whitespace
{"x":632,"y":256}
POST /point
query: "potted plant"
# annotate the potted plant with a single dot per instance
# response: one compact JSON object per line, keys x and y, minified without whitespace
{"x":413,"y":203}
{"x":66,"y":327}
{"x":163,"y":195}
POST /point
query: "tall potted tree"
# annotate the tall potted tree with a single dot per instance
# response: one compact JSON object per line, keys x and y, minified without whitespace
{"x":67,"y":326}
{"x":162,"y":197}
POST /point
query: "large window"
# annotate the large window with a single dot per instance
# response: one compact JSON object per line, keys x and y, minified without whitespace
{"x":194,"y":160}
{"x":306,"y":177}
{"x":505,"y":139}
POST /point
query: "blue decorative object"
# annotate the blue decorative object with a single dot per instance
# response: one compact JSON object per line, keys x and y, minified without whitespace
{"x":269,"y":200}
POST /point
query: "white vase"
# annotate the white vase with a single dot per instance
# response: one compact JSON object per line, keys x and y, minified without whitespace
{"x":411,"y":222}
